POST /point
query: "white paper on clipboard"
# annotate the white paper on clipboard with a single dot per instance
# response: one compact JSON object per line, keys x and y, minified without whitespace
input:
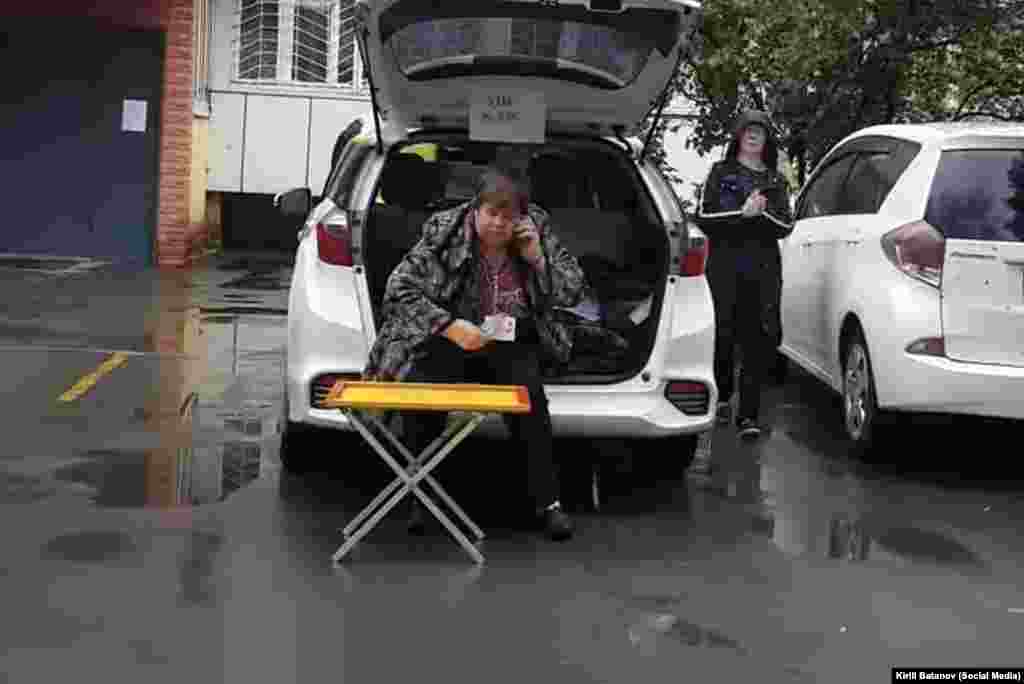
{"x":499,"y":327}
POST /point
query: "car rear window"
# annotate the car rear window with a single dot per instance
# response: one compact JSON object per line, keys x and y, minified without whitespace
{"x":979,"y":195}
{"x":528,"y":39}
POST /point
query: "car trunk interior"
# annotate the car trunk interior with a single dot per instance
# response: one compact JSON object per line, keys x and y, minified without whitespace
{"x":600,"y":211}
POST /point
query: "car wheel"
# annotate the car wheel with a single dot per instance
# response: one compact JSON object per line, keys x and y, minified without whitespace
{"x":861,"y":416}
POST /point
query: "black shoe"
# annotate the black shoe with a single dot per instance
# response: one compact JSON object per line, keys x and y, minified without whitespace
{"x":749,"y":429}
{"x":557,"y":525}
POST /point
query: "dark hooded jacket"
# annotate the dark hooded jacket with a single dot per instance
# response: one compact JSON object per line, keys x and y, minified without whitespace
{"x":727,"y":187}
{"x":740,"y":243}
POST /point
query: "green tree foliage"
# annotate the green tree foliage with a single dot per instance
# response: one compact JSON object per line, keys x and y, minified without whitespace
{"x":826,"y":68}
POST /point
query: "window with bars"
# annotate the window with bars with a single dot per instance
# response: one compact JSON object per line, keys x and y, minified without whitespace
{"x":346,"y":36}
{"x":298,"y":41}
{"x":310,"y":39}
{"x":258,"y":34}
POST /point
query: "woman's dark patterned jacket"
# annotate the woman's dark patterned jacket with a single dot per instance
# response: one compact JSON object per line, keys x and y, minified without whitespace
{"x":437,"y":282}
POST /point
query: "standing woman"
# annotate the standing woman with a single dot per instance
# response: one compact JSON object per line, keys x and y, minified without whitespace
{"x":744,"y":210}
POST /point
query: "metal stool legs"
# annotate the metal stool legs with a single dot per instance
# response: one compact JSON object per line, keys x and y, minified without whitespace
{"x":408,"y":482}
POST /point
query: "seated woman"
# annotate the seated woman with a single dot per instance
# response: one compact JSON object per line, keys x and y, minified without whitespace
{"x":471,"y":302}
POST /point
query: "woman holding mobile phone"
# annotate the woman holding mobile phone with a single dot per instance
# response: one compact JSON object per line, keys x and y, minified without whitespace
{"x":470,"y":303}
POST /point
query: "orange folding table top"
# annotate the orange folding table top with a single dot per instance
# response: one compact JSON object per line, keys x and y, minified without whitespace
{"x":425,"y":396}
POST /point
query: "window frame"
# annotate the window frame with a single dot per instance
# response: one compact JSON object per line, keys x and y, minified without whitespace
{"x":848,"y":199}
{"x":287,"y":51}
{"x":840,"y":157}
{"x":899,"y":149}
{"x":343,"y":178}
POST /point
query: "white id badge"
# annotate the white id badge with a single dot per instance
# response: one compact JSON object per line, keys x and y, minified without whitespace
{"x":500,"y":327}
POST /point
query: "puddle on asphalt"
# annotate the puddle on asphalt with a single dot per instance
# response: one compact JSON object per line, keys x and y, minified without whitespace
{"x":89,"y":547}
{"x":926,"y":546}
{"x":856,"y":540}
{"x":18,"y":488}
{"x":172,"y":477}
{"x":219,"y":319}
{"x":257,"y":281}
{"x":233,"y":311}
{"x":247,"y":264}
{"x":195,"y":573}
{"x":671,"y":626}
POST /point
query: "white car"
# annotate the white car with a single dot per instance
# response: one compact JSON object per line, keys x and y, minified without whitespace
{"x":903,"y":279}
{"x":571,"y":81}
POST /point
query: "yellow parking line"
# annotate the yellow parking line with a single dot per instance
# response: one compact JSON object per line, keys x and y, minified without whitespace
{"x":87,"y":382}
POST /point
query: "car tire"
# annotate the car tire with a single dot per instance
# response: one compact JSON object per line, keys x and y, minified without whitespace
{"x":861,"y":416}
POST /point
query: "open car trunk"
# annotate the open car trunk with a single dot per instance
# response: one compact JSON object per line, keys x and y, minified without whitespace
{"x":599,"y":208}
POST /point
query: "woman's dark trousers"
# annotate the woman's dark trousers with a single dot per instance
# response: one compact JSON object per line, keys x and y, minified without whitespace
{"x":499,"y":363}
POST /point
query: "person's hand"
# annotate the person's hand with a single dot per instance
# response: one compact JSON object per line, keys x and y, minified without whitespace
{"x":755,"y":204}
{"x":467,"y":335}
{"x":527,"y":241}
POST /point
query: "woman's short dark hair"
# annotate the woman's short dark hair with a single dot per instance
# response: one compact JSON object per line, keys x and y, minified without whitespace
{"x":504,"y":186}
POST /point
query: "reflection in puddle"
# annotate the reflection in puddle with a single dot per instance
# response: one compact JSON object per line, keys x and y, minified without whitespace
{"x":178,"y":466}
{"x":676,"y":628}
{"x":272,"y":281}
{"x":809,"y":505}
{"x":162,"y":478}
{"x":927,"y":546}
{"x":196,"y":571}
{"x":89,"y":547}
{"x":856,"y":540}
{"x":18,"y":488}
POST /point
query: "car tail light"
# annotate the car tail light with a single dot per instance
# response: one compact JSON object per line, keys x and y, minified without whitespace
{"x":694,"y":258}
{"x":334,"y":240}
{"x":692,"y":398}
{"x":928,"y":346}
{"x":322,"y":385}
{"x":918,"y":249}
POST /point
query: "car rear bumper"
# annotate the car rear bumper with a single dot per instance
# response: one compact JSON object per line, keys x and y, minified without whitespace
{"x":581,"y":413}
{"x":941,"y":385}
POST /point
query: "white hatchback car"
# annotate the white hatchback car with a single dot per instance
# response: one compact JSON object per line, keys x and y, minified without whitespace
{"x":903,"y":279}
{"x":567,"y":85}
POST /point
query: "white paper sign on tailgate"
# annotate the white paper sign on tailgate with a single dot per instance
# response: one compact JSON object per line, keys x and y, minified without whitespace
{"x":507,"y":115}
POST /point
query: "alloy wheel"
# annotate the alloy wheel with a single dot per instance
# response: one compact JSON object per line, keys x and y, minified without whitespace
{"x":858,"y":404}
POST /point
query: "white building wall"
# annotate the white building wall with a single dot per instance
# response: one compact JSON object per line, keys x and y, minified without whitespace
{"x":265,"y":138}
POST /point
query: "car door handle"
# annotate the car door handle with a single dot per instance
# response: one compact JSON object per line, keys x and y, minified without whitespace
{"x":852,"y":242}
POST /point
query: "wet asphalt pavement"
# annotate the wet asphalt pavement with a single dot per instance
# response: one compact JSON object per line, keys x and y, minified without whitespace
{"x":149,"y":533}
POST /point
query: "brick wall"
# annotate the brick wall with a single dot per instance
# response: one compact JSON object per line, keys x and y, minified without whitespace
{"x":175,"y":234}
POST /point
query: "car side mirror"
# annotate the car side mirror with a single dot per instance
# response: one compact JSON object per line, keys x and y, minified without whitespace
{"x":294,"y":203}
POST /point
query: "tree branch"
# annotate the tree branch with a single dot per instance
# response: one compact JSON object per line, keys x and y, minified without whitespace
{"x":994,"y":115}
{"x":971,"y":94}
